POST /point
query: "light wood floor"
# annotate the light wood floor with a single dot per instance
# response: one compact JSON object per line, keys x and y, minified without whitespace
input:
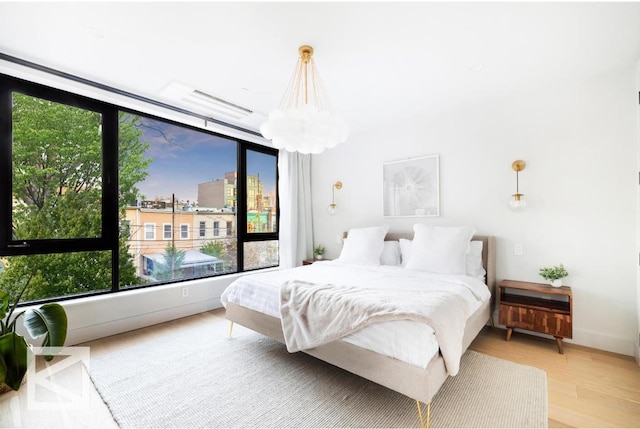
{"x":587,"y":387}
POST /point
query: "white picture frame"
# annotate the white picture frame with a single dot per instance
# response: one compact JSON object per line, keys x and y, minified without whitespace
{"x":411,"y":187}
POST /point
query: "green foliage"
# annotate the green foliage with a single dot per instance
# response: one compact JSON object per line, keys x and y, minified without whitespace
{"x":48,"y":322}
{"x":553,"y":273}
{"x":127,"y":271}
{"x":131,"y":162}
{"x":226,"y":250}
{"x":50,"y":142}
{"x":173,"y":260}
{"x":57,"y":174}
{"x":214,"y":248}
{"x":319,"y":250}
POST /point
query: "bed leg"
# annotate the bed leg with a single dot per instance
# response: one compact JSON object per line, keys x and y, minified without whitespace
{"x":424,"y":424}
{"x":230,"y":329}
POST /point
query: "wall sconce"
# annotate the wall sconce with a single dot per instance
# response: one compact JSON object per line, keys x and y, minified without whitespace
{"x":517,"y":201}
{"x":333,"y":209}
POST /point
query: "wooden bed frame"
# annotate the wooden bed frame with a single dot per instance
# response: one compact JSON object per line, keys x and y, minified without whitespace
{"x":418,"y":383}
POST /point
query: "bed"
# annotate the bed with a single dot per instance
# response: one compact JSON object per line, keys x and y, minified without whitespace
{"x":416,"y":376}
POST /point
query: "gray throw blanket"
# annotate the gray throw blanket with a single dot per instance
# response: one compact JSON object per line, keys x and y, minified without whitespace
{"x":316,"y":314}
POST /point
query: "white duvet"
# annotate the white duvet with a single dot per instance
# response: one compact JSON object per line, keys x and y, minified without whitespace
{"x":410,"y":341}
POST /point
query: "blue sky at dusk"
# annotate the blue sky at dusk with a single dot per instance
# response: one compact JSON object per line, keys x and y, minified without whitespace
{"x":183,"y":157}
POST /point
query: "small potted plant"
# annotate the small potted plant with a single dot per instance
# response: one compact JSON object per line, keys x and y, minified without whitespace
{"x":318,"y":251}
{"x":554,"y":274}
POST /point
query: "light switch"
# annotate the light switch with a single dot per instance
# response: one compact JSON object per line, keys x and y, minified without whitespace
{"x":518,"y":249}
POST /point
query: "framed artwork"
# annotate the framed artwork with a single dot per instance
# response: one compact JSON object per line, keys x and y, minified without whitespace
{"x":411,"y":187}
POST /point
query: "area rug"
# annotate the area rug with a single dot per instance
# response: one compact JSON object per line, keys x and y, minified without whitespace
{"x":200,"y":377}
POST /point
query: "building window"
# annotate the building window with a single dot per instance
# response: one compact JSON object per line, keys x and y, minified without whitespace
{"x":149,"y":231}
{"x":60,"y":212}
{"x":216,"y":228}
{"x":167,"y":232}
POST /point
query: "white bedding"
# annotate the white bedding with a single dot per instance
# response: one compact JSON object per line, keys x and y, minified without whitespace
{"x":406,"y":340}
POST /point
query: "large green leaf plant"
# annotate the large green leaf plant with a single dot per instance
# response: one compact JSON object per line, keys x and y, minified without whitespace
{"x":49,"y":322}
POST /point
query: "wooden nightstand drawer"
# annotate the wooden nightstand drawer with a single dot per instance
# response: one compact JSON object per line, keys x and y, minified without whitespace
{"x":546,"y":322}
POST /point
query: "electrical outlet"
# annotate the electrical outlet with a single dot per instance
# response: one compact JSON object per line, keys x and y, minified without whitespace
{"x":518,"y":249}
{"x":185,"y":292}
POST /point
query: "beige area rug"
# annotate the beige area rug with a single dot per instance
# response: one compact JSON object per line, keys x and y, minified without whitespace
{"x":199,"y":377}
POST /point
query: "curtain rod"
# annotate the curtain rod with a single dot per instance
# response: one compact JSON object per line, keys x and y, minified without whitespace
{"x":114,"y":90}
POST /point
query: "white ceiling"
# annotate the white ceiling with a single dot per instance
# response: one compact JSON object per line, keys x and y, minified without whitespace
{"x":391,"y":61}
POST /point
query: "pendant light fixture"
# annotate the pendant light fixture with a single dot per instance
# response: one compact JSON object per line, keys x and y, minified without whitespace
{"x":305,"y":121}
{"x":517,"y":201}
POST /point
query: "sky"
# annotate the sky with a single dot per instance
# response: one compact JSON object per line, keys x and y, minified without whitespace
{"x":183,"y":157}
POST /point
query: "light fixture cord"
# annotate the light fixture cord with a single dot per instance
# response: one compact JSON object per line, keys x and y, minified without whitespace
{"x":305,"y":57}
{"x":306,"y":74}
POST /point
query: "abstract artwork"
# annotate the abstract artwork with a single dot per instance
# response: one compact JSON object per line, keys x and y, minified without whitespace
{"x":411,"y":187}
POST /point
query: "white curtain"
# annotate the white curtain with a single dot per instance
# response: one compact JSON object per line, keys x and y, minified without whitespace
{"x":296,"y":226}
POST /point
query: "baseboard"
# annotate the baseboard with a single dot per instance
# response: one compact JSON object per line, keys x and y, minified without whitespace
{"x":119,"y":326}
{"x":594,"y":340}
{"x":100,"y":316}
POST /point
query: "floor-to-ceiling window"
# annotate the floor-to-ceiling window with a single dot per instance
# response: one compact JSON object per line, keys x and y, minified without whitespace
{"x":96,"y":198}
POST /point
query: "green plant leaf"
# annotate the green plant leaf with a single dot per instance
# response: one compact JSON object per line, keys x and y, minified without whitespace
{"x":13,"y":349}
{"x":3,"y":370}
{"x":49,"y":321}
{"x":4,"y":304}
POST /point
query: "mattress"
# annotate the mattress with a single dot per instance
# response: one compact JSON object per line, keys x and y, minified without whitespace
{"x":409,"y":341}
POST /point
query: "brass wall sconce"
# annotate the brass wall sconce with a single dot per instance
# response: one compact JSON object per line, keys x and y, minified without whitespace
{"x":333,"y":209}
{"x":517,"y":201}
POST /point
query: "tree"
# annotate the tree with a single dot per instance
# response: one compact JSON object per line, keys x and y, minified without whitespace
{"x":57,"y":181}
{"x":173,"y":260}
{"x":227,"y":250}
{"x":214,"y":248}
{"x":132,"y":165}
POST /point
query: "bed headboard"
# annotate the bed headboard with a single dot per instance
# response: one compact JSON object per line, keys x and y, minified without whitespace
{"x":488,"y":254}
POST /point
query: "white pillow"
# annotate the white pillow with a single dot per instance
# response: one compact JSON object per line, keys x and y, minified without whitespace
{"x":439,"y":249}
{"x":405,"y":251}
{"x":390,"y":253}
{"x":473,"y":259}
{"x":364,"y":245}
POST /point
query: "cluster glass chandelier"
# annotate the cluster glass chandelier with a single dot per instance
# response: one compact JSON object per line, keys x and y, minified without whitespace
{"x":305,"y":121}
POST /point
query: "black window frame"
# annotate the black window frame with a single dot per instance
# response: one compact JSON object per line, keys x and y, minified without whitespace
{"x":110,"y":229}
{"x":111,"y":225}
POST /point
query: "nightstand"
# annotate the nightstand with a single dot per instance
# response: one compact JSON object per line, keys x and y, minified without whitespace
{"x":311,"y":261}
{"x":536,"y":307}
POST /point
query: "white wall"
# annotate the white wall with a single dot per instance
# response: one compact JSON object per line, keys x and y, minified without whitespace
{"x":580,"y":145}
{"x":637,"y":348}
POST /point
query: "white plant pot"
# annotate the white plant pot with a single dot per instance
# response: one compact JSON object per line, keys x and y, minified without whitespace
{"x":556,"y":282}
{"x":319,"y":257}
